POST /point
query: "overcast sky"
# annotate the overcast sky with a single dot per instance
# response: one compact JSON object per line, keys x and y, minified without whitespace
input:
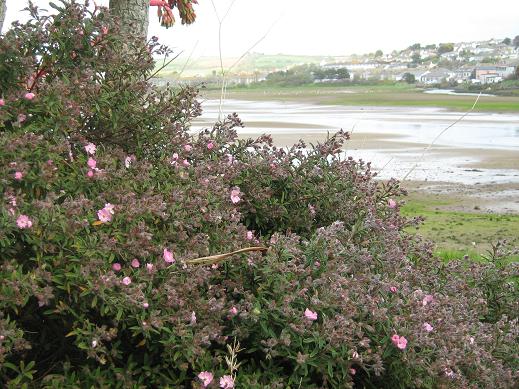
{"x":334,"y":27}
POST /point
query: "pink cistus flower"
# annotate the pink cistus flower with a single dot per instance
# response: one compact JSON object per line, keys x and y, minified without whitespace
{"x":90,"y":148}
{"x":393,"y":289}
{"x":105,"y":214}
{"x":90,"y":174}
{"x":210,"y":146}
{"x":235,"y":196}
{"x":91,"y":163}
{"x":129,"y":160}
{"x":391,"y":203}
{"x":29,"y":96}
{"x":188,"y":148}
{"x":145,"y":305}
{"x":135,"y":263}
{"x":127,"y":281}
{"x":233,"y":311}
{"x":310,"y":315}
{"x":2,"y":102}
{"x":168,"y":256}
{"x":23,"y":222}
{"x":399,"y":341}
{"x":149,"y":267}
{"x":116,"y":266}
{"x":427,"y":327}
{"x":227,"y":382}
{"x":250,"y":235}
{"x":18,"y":176}
{"x":206,"y":377}
{"x":427,"y":299}
{"x":353,"y":371}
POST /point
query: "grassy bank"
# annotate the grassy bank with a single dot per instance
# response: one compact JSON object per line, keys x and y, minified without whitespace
{"x":391,"y":94}
{"x":459,"y":233}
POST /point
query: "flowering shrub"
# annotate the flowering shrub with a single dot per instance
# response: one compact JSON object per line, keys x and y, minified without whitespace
{"x":111,"y":211}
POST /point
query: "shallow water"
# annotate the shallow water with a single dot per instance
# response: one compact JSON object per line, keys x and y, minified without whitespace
{"x":477,"y":131}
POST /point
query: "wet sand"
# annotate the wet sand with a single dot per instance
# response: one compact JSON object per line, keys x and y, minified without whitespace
{"x":479,"y":197}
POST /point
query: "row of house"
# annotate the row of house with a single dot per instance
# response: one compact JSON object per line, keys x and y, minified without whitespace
{"x":480,"y":74}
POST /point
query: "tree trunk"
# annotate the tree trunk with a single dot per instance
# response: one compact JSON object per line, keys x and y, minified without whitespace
{"x":133,"y":15}
{"x":3,"y":9}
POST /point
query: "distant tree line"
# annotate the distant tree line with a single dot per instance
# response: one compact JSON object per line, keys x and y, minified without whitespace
{"x":307,"y":74}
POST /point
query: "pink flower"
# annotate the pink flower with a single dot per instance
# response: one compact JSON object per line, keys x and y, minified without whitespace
{"x":116,"y":266}
{"x":21,"y":118}
{"x":135,"y":263}
{"x":310,"y":315}
{"x":186,"y":163}
{"x":427,"y":299}
{"x":188,"y":148}
{"x":127,"y":281}
{"x":427,"y":327}
{"x":206,"y":377}
{"x":91,"y":163}
{"x":233,"y":311}
{"x":160,"y":3}
{"x":393,"y":289}
{"x":168,"y":256}
{"x":250,"y":235}
{"x":235,"y":195}
{"x":104,"y":30}
{"x":145,"y":305}
{"x":353,"y":371}
{"x":128,"y":160}
{"x":18,"y":176}
{"x":23,"y":221}
{"x":29,"y":96}
{"x":104,"y":215}
{"x":149,"y":267}
{"x":90,"y":174}
{"x":226,"y":382}
{"x":210,"y":146}
{"x":399,"y":341}
{"x":2,"y":102}
{"x":391,"y":203}
{"x":317,"y":264}
{"x":90,"y":149}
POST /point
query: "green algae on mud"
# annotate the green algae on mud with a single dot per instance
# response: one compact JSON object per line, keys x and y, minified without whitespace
{"x":398,"y":95}
{"x":457,"y":233}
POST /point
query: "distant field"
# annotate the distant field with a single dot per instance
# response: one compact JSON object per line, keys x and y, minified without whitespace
{"x":204,"y":66}
{"x":398,"y":94}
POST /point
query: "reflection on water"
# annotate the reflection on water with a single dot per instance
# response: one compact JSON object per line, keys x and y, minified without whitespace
{"x":480,"y":131}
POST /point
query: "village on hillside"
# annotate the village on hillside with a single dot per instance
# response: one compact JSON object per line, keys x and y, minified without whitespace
{"x":474,"y":63}
{"x":483,"y":62}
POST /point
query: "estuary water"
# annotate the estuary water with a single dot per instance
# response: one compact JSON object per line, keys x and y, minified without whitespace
{"x":394,"y":139}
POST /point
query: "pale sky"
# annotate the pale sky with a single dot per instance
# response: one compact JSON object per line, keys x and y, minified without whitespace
{"x":328,"y":27}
